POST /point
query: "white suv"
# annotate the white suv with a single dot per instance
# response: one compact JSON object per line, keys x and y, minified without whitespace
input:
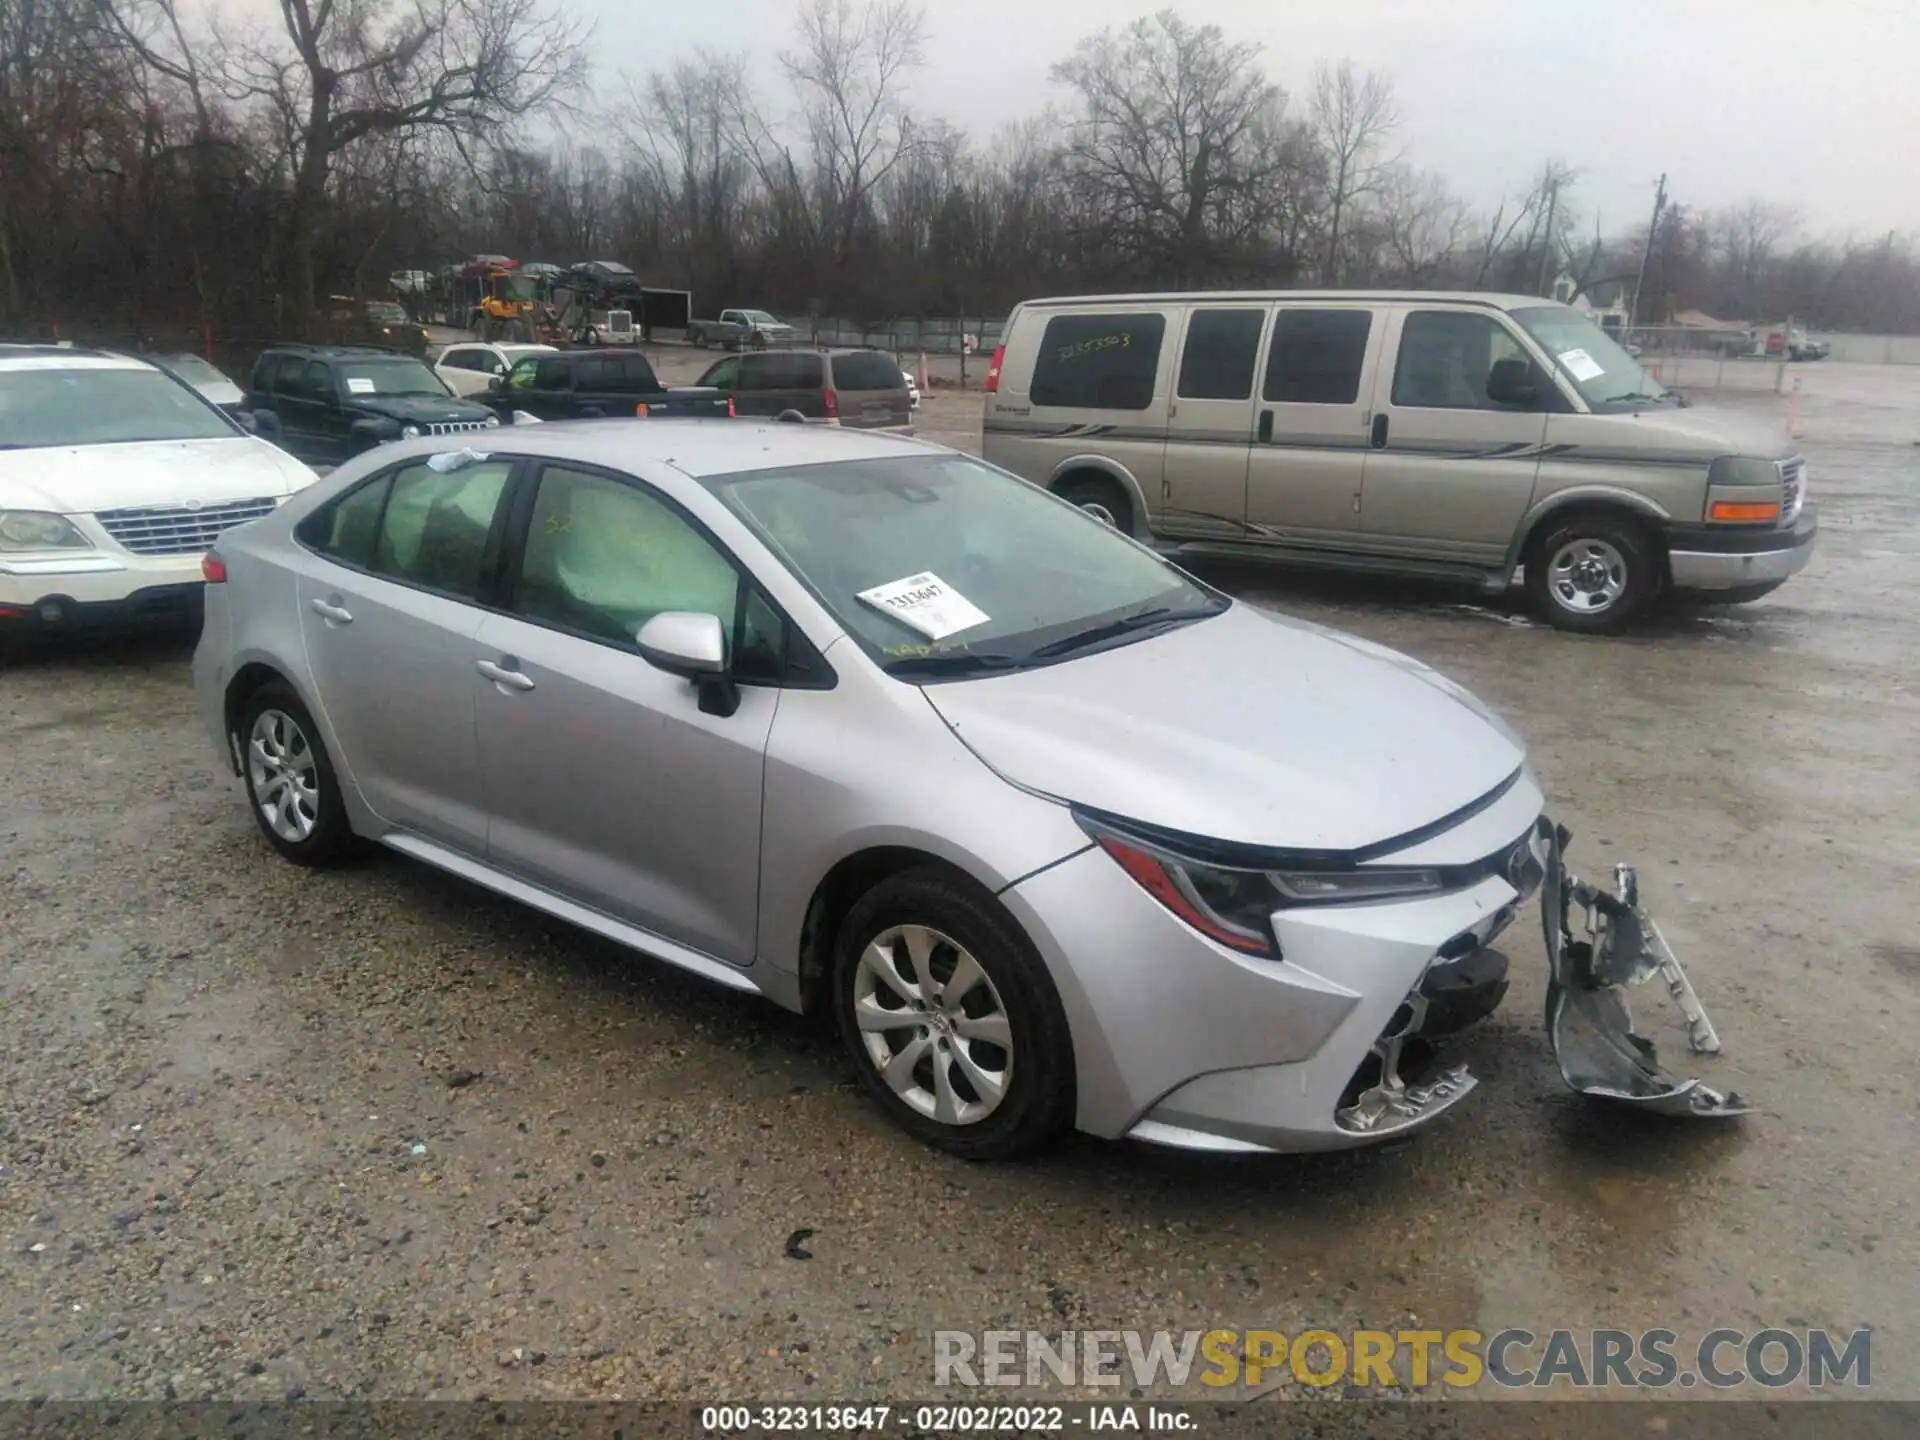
{"x":115,"y":478}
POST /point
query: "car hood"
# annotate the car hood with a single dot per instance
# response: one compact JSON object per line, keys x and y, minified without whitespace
{"x":1247,"y":727}
{"x":1703,"y":431}
{"x":419,"y":409}
{"x":80,"y":479}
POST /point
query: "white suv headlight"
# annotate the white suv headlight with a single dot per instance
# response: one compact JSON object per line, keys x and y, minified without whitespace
{"x":39,"y":530}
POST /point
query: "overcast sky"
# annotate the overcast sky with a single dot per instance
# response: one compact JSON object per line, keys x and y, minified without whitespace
{"x":1812,"y":103}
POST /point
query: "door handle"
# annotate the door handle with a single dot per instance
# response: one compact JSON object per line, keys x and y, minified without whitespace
{"x":333,"y":614}
{"x":1380,"y":431}
{"x":1266,"y":426}
{"x":500,"y":675}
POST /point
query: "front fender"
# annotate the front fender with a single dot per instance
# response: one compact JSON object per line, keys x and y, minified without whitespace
{"x":1581,"y":495}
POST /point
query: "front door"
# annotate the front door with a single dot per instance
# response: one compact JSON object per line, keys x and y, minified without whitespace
{"x":303,"y":400}
{"x":1451,"y":470}
{"x":605,"y":780}
{"x":388,"y":612}
{"x":1210,"y":423}
{"x":1309,"y":457}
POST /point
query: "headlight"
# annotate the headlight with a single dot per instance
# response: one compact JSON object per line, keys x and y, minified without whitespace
{"x":409,"y":432}
{"x":493,"y":422}
{"x":1234,"y":906}
{"x":39,"y":530}
{"x":1740,"y":470}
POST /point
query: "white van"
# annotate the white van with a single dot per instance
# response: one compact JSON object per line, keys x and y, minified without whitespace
{"x":1454,"y":436}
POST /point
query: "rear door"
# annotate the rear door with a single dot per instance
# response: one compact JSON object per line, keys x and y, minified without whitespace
{"x":1309,"y":457}
{"x":389,"y":598}
{"x":1210,"y":421}
{"x":1451,"y":470}
{"x":871,"y":389}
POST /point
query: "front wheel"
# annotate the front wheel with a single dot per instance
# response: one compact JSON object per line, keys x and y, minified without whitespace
{"x":951,"y":1018}
{"x":1100,"y":497}
{"x":1592,"y":573}
{"x":291,"y":787}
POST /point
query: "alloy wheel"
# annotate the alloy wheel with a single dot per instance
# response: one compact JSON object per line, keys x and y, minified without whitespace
{"x":284,"y":775}
{"x":933,"y":1024}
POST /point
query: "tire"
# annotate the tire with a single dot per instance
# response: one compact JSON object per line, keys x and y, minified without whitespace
{"x":1592,"y":572}
{"x":1101,"y":497}
{"x":928,"y":917}
{"x":591,"y":336}
{"x":277,"y":734}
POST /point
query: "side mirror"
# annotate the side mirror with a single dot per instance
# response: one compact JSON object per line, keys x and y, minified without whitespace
{"x":692,"y":645}
{"x":496,"y":383}
{"x":246,"y":421}
{"x":1513,"y":382}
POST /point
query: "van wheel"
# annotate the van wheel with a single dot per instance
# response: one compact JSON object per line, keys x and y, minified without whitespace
{"x":1101,"y":497}
{"x":951,"y":1018}
{"x":1592,"y":572}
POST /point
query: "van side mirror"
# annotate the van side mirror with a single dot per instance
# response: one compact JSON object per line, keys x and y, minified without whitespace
{"x":1514,"y":382}
{"x":692,"y":645}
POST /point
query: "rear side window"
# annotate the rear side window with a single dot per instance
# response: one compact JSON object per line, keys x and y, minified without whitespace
{"x":867,"y":371}
{"x":1316,"y":357}
{"x":593,"y":375}
{"x":1222,"y":346}
{"x":1098,"y":362}
{"x":554,"y":374}
{"x":346,"y":529}
{"x":433,"y":531}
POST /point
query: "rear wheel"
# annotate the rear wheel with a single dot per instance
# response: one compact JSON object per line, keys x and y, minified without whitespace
{"x":951,"y":1018}
{"x":1592,"y":572}
{"x":290,"y":780}
{"x":1101,"y":497}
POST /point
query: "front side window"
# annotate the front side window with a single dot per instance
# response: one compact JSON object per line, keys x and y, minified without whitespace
{"x":604,"y":556}
{"x":1447,"y":357}
{"x":78,"y":406}
{"x":1316,"y":357}
{"x":1030,"y":579}
{"x":434,"y":527}
{"x":523,"y":375}
{"x":387,"y":375}
{"x":723,"y":375}
{"x":1222,"y":345}
{"x":1599,"y":367}
{"x":1098,"y":362}
{"x":312,"y":382}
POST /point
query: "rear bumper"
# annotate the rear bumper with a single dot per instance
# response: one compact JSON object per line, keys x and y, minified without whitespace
{"x":1703,"y":559}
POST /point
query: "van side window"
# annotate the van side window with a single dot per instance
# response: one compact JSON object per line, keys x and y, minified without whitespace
{"x":1316,"y":357}
{"x":1222,"y":345}
{"x":1445,"y":358}
{"x":1098,"y":362}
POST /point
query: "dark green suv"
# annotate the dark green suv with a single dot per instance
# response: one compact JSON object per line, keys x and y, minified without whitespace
{"x":327,"y":403}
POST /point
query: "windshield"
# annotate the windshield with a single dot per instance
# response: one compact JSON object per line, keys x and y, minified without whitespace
{"x":1603,"y":373}
{"x":194,"y":370}
{"x":389,"y":377}
{"x":101,"y":407}
{"x":761,"y":317}
{"x":940,"y":566}
{"x":383,"y":312}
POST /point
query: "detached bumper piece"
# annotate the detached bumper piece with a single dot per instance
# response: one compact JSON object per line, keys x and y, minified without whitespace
{"x":1589,"y":1020}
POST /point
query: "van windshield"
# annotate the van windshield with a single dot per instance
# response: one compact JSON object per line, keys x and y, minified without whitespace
{"x":1607,"y":377}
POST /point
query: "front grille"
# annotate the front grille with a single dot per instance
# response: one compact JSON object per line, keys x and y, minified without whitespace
{"x":455,"y":427}
{"x":1793,"y":480}
{"x":176,"y":529}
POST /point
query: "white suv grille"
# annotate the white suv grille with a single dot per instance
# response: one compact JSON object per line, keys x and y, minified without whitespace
{"x":178,"y":529}
{"x":1793,"y":479}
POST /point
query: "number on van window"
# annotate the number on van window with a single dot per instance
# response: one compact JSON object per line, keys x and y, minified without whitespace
{"x":1089,"y":347}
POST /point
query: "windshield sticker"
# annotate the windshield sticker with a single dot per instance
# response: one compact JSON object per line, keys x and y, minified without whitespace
{"x":1581,"y":365}
{"x":926,"y":603}
{"x":359,"y":385}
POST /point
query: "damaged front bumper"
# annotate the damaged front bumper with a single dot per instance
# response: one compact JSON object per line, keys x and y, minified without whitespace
{"x":1589,"y":1021}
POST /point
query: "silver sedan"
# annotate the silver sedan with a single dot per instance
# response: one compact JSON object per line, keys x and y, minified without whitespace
{"x":1054,"y":833}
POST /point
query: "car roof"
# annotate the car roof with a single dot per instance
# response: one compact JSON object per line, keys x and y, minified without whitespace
{"x":699,"y":447}
{"x":51,"y":357}
{"x":1492,"y":299}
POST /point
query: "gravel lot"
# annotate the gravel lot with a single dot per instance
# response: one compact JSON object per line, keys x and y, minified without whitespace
{"x":377,"y":1133}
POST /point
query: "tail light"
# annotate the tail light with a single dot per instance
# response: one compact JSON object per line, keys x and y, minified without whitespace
{"x":213,"y":569}
{"x":642,"y":410}
{"x":833,"y":406}
{"x":993,"y":369}
{"x":731,"y":414}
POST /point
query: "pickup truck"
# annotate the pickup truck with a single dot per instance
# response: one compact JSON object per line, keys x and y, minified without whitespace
{"x":583,"y":384}
{"x":741,"y":329}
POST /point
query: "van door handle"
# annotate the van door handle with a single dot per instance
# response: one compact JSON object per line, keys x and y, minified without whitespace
{"x":330,"y":612}
{"x":1380,"y":431}
{"x":1266,"y":426}
{"x":500,"y":675}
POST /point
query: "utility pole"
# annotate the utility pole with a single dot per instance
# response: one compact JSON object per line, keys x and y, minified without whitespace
{"x":1653,"y":229}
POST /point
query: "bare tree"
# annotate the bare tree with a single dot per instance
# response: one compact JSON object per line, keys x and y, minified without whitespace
{"x":1182,"y":156}
{"x":1353,"y":115}
{"x":849,"y":70}
{"x":344,"y":72}
{"x":1749,"y":237}
{"x":1421,"y":225}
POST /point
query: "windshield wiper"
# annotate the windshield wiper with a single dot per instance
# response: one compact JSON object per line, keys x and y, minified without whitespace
{"x":1113,"y":629}
{"x":1640,"y":395}
{"x":961,"y":662}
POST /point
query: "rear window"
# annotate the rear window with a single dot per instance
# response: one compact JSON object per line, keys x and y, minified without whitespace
{"x":868,"y":371}
{"x":1098,"y":362}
